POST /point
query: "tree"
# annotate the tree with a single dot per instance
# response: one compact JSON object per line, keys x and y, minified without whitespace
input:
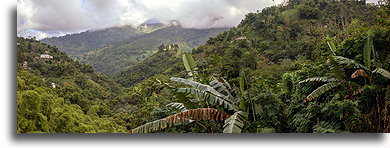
{"x":161,"y":48}
{"x":346,"y":83}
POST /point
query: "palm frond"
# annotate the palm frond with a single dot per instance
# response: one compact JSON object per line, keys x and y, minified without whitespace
{"x":336,"y":68}
{"x":332,"y":47}
{"x":359,"y":73}
{"x":182,"y":118}
{"x":202,"y":90}
{"x":179,"y":106}
{"x":320,"y":90}
{"x":349,"y":62}
{"x":223,"y":88}
{"x":235,"y":123}
{"x":383,"y":72}
{"x":209,"y":97}
{"x":190,"y":65}
{"x":368,"y":48}
{"x":318,"y":79}
{"x":198,"y":85}
{"x":242,"y":105}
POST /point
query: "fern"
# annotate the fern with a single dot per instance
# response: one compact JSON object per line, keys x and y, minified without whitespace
{"x":182,"y":118}
{"x":383,"y":72}
{"x":320,"y":90}
{"x":235,"y":123}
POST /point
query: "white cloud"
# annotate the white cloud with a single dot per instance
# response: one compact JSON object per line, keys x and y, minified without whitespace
{"x":56,"y":17}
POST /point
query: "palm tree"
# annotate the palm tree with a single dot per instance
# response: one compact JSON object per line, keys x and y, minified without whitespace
{"x":202,"y":106}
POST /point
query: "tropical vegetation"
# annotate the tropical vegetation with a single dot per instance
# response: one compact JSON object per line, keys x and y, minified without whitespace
{"x":302,"y":67}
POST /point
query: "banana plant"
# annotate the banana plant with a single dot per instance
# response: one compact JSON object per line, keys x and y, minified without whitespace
{"x":380,"y":109}
{"x":218,"y":94}
{"x":336,"y":61}
{"x":190,"y":65}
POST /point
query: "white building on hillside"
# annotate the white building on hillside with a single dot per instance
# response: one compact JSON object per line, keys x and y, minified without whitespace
{"x":46,"y":56}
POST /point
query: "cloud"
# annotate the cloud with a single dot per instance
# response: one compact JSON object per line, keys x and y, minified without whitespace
{"x":45,"y":18}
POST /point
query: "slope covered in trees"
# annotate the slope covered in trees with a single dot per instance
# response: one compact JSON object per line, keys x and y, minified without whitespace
{"x":310,"y":66}
{"x":56,"y":94}
{"x":77,"y":44}
{"x":158,"y":63}
{"x":119,"y":56}
{"x":306,"y":66}
{"x":127,"y":45}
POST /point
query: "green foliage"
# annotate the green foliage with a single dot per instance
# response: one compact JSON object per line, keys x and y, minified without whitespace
{"x":202,"y":92}
{"x":119,"y":54}
{"x":320,"y":90}
{"x":76,"y":103}
{"x":235,"y":122}
{"x":183,"y":118}
{"x":308,"y":12}
{"x":368,"y":48}
{"x":156,"y":64}
{"x":77,"y":44}
{"x":326,"y":127}
{"x":190,"y":65}
{"x":251,"y":78}
{"x":382,"y":72}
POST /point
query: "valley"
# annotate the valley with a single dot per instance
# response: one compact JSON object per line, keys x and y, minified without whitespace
{"x":299,"y":67}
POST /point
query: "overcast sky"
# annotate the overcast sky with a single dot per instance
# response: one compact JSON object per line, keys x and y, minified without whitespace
{"x":46,"y":18}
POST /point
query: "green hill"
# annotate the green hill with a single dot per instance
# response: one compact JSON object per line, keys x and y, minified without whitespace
{"x":122,"y":54}
{"x":76,"y":44}
{"x":58,"y":94}
{"x":303,"y":67}
{"x":279,"y":49}
{"x":156,"y":64}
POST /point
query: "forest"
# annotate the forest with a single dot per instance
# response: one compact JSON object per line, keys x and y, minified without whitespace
{"x":304,"y":66}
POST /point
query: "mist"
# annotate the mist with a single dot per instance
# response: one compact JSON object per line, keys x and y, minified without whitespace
{"x":43,"y":18}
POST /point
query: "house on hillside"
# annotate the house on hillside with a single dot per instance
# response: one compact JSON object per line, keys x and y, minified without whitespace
{"x":24,"y":65}
{"x":45,"y":56}
{"x":371,"y":4}
{"x":241,"y":38}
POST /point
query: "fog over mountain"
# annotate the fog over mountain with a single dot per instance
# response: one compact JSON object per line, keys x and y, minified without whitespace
{"x":42,"y":18}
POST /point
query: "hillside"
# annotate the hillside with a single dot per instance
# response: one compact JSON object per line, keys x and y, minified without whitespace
{"x":57,"y":94}
{"x":291,"y":32}
{"x":156,"y":64}
{"x":76,"y":44}
{"x":122,"y":54}
{"x":302,"y":67}
{"x":306,"y":66}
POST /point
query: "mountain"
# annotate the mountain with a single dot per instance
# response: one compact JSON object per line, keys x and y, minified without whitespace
{"x":302,"y":67}
{"x":122,"y":54}
{"x":114,"y":49}
{"x":76,"y":44}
